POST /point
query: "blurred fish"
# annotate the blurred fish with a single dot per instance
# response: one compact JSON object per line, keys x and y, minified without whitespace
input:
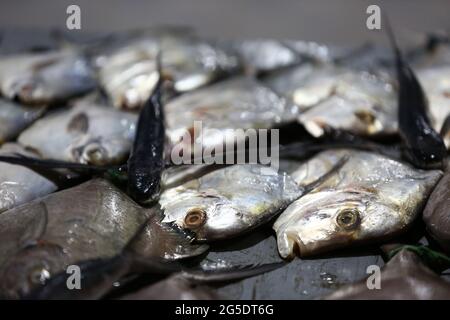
{"x":437,"y":213}
{"x":426,"y":149}
{"x":371,"y":198}
{"x":40,"y":239}
{"x":18,"y":184}
{"x":130,"y":73}
{"x":14,"y":118}
{"x":405,"y":277}
{"x":87,"y":133}
{"x":45,"y":78}
{"x":238,"y":103}
{"x":330,"y":96}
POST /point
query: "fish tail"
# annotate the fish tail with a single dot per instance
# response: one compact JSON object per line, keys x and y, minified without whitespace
{"x":229,"y":274}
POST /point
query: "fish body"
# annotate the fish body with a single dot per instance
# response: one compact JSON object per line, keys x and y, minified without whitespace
{"x":229,"y":201}
{"x":404,"y":277}
{"x":369,"y":199}
{"x":437,"y":213}
{"x":18,"y":184}
{"x":238,"y":103}
{"x":130,"y":74}
{"x":85,"y":133}
{"x":46,"y":78}
{"x":15,"y":117}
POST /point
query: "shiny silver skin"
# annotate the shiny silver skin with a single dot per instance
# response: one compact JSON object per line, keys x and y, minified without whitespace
{"x":19,"y":185}
{"x":228,"y":202}
{"x":15,"y":117}
{"x":45,"y":78}
{"x":87,"y":133}
{"x":371,"y":198}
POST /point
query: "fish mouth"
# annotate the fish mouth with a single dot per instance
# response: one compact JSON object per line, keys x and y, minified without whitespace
{"x":290,"y":245}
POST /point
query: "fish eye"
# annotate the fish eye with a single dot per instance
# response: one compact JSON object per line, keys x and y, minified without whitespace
{"x":348,"y":218}
{"x":195,"y":218}
{"x":39,"y":275}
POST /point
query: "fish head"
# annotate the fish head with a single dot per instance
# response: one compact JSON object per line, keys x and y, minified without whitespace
{"x":30,"y":268}
{"x":206,"y":215}
{"x":26,"y":89}
{"x":330,"y":219}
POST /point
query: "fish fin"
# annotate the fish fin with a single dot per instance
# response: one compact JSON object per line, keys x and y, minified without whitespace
{"x":311,"y":186}
{"x":36,"y":228}
{"x":229,"y":274}
{"x":79,"y":123}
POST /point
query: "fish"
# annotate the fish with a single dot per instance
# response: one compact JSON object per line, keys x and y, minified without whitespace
{"x":237,"y":103}
{"x":231,"y":201}
{"x":87,"y":132}
{"x":130,"y":73}
{"x":340,"y":98}
{"x":15,"y":117}
{"x":426,"y":149}
{"x":146,"y":161}
{"x":404,"y":277}
{"x":18,"y":184}
{"x":437,"y":215}
{"x":435,"y":82}
{"x":46,"y":77}
{"x":371,"y":198}
{"x":43,"y":237}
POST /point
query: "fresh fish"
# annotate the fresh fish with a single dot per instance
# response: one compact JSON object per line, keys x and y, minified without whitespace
{"x":437,"y":213}
{"x":370,"y":198}
{"x":436,"y":84}
{"x":228,"y":201}
{"x":146,"y":163}
{"x":18,"y":184}
{"x":425,"y":147}
{"x":239,"y":103}
{"x":44,"y":78}
{"x":330,"y":96}
{"x":42,"y":238}
{"x":263,"y":55}
{"x":15,"y":117}
{"x":130,"y":74}
{"x":405,"y":277}
{"x":85,"y":133}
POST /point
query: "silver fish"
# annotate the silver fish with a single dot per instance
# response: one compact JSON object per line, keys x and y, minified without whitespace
{"x":18,"y":184}
{"x":15,"y":117}
{"x":229,"y":201}
{"x":129,"y":75}
{"x":339,"y":98}
{"x":238,"y":103}
{"x":43,"y":78}
{"x":370,"y":198}
{"x":86,"y":133}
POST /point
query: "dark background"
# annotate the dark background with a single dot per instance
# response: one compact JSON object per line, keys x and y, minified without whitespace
{"x":332,"y":21}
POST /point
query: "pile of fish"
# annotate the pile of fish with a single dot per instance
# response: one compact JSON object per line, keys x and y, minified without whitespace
{"x":87,"y":177}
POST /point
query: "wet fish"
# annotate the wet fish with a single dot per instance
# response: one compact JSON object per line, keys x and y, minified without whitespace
{"x":18,"y":184}
{"x":405,"y":277}
{"x":370,"y":198}
{"x":329,"y":96}
{"x":129,"y":74}
{"x":425,"y":147}
{"x":44,"y":78}
{"x":238,"y":103}
{"x":146,"y":161}
{"x":40,"y":239}
{"x":14,"y":118}
{"x":437,"y":213}
{"x":87,"y":133}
